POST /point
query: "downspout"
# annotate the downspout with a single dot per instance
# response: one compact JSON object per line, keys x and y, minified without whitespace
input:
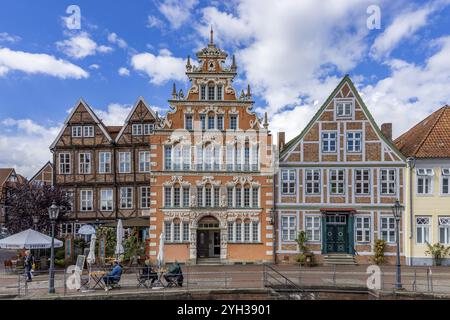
{"x":274,"y":217}
{"x":411,"y":162}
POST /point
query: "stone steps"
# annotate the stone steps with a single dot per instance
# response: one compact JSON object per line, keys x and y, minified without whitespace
{"x":339,"y":259}
{"x":208,"y":261}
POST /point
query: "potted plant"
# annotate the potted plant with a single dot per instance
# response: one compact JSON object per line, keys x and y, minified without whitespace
{"x":380,"y":246}
{"x":438,"y":252}
{"x":305,"y":257}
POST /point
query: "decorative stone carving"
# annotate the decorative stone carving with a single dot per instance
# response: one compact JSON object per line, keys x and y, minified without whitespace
{"x":207,"y":179}
{"x":233,"y":111}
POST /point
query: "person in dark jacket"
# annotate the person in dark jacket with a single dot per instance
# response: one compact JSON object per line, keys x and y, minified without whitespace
{"x":174,"y":272}
{"x":148,"y":273}
{"x":28,"y":264}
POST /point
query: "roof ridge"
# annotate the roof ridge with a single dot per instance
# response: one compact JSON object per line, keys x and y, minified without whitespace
{"x":440,"y":112}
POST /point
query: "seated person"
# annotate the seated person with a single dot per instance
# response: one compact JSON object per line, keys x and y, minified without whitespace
{"x":174,"y":273}
{"x":148,"y":273}
{"x":114,"y":276}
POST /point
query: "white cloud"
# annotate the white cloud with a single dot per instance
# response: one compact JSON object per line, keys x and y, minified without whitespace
{"x":80,"y":46}
{"x":35,"y":63}
{"x":114,"y":38}
{"x":5,"y":37}
{"x":404,"y":26}
{"x":154,"y":22}
{"x":94,"y":66}
{"x":124,"y":72}
{"x":161,"y":68}
{"x":115,"y":114}
{"x":177,"y":12}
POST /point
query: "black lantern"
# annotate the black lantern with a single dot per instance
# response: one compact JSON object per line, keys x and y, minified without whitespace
{"x":397,"y":209}
{"x":53,"y":213}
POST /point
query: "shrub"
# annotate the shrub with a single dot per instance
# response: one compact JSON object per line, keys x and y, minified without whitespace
{"x":380,"y":246}
{"x":438,"y":252}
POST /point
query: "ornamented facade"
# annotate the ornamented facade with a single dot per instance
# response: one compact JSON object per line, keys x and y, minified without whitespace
{"x":338,"y":180}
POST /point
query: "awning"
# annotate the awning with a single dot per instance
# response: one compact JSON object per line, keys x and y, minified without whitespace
{"x":130,"y":223}
{"x":337,"y":210}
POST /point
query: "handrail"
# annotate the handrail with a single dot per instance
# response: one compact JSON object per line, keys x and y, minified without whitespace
{"x":286,"y":279}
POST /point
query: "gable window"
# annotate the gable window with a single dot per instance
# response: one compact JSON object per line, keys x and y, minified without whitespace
{"x":288,"y":181}
{"x":144,"y":161}
{"x":329,"y":141}
{"x":388,"y":229}
{"x":86,"y":200}
{"x":149,"y":129}
{"x":64,"y":163}
{"x":124,"y":162}
{"x":168,"y":158}
{"x":344,"y":108}
{"x":425,"y":181}
{"x":104,"y":165}
{"x":106,"y":200}
{"x":354,"y":141}
{"x":211,"y":92}
{"x":145,"y":197}
{"x":202,"y":92}
{"x":422,"y":230}
{"x":312,"y":181}
{"x":77,"y":132}
{"x":362,"y":181}
{"x":362,"y":229}
{"x":444,"y":230}
{"x":337,"y":181}
{"x":388,"y":181}
{"x":88,"y":131}
{"x":126,"y":198}
{"x":288,"y":228}
{"x":445,"y":181}
{"x":312,"y":228}
{"x":233,"y":122}
{"x":188,"y":122}
{"x":85,"y":163}
{"x":136,"y":130}
{"x":220,"y":122}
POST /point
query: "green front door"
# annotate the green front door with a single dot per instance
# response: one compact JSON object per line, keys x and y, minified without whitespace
{"x":337,"y":233}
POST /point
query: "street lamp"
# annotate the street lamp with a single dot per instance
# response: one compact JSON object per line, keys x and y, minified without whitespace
{"x":35,"y":222}
{"x":53,"y":213}
{"x":397,"y":209}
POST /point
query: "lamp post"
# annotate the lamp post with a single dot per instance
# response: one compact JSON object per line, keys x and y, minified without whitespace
{"x":53,"y":213}
{"x":397,"y":209}
{"x":35,"y":222}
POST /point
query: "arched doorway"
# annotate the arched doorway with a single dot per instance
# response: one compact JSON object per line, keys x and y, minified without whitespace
{"x":208,"y":238}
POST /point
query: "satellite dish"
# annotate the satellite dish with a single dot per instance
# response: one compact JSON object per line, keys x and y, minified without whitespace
{"x":86,"y":229}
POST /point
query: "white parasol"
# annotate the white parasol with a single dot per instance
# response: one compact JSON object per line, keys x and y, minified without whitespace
{"x":160,"y":257}
{"x":119,"y":239}
{"x":29,"y":239}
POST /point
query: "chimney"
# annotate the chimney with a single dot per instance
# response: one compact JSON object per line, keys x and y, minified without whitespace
{"x":386,"y":129}
{"x":281,"y":143}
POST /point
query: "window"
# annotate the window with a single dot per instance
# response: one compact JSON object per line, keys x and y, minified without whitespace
{"x":88,"y":131}
{"x":126,"y":198}
{"x":444,"y":230}
{"x":185,"y":231}
{"x":362,"y":229}
{"x":176,"y":197}
{"x":422,"y":230}
{"x":149,"y":128}
{"x":70,"y":198}
{"x":238,"y":196}
{"x":312,"y":181}
{"x":188,"y":122}
{"x":312,"y":228}
{"x":329,"y":141}
{"x":145,"y":197}
{"x":124,"y":162}
{"x":208,"y":196}
{"x":255,"y":158}
{"x":168,"y":231}
{"x":444,"y":181}
{"x":247,"y":231}
{"x":288,"y":181}
{"x":64,"y":163}
{"x":86,"y":200}
{"x":424,"y":181}
{"x":77,"y":132}
{"x":233,"y":122}
{"x":238,"y":158}
{"x":255,"y":231}
{"x":104,"y":165}
{"x":186,"y":157}
{"x":220,"y":122}
{"x":136,"y":130}
{"x":85,"y":163}
{"x":176,"y":230}
{"x":337,"y":181}
{"x":219,"y":92}
{"x":199,"y":158}
{"x":238,"y":230}
{"x":216,"y":202}
{"x":230,"y":231}
{"x":216,"y":158}
{"x":203,"y":92}
{"x":288,"y":228}
{"x":354,"y":141}
{"x":208,"y":157}
{"x":203,"y":121}
{"x":199,"y":196}
{"x":211,"y":92}
{"x":344,"y":108}
{"x":167,"y":196}
{"x":230,"y":197}
{"x":144,"y":161}
{"x":186,"y":197}
{"x":246,"y":197}
{"x":255,"y":198}
{"x":388,"y":181}
{"x":388,"y":229}
{"x":211,"y":121}
{"x":229,"y":157}
{"x":246,"y":158}
{"x":177,"y":160}
{"x":362,"y":181}
{"x":106,"y":200}
{"x":168,"y":157}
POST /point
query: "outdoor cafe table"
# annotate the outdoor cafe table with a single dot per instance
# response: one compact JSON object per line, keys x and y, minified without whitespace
{"x":97,"y":276}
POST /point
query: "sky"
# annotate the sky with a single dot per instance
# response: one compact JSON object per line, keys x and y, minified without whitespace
{"x":293,"y":53}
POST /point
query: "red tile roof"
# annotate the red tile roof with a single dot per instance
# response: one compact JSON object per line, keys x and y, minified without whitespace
{"x":430,"y":138}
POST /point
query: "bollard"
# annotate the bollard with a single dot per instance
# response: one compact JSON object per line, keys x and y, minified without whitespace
{"x":414,"y":284}
{"x":334,"y":275}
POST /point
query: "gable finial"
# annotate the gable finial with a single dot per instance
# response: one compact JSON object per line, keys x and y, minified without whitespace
{"x":248,"y":91}
{"x":188,"y":64}
{"x":233,"y":64}
{"x":211,"y":40}
{"x":174,"y":91}
{"x":266,"y":122}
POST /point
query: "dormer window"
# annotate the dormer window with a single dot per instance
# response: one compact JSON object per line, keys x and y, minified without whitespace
{"x":344,"y":108}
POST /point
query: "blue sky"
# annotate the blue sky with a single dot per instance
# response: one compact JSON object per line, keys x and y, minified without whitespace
{"x":292,"y":52}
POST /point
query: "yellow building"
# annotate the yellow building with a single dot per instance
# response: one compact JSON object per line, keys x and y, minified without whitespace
{"x":427,"y":205}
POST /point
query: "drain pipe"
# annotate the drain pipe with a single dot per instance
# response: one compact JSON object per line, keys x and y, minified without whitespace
{"x":411,"y":163}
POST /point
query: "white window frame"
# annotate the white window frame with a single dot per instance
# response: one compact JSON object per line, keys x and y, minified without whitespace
{"x":144,"y":161}
{"x":366,"y":232}
{"x":348,"y":106}
{"x":362,"y":182}
{"x":326,"y":141}
{"x":423,"y":227}
{"x":288,"y":228}
{"x":291,"y":183}
{"x":145,"y":197}
{"x":444,"y":224}
{"x":66,"y":163}
{"x":427,"y":175}
{"x":104,"y":159}
{"x":388,"y":229}
{"x":313,"y":182}
{"x":106,"y":200}
{"x":148,"y":129}
{"x":77,"y":131}
{"x":86,"y":200}
{"x":136,"y":129}
{"x":88,"y":131}
{"x":340,"y":184}
{"x":235,"y":116}
{"x":351,"y":136}
{"x":388,"y":181}
{"x":315,"y":231}
{"x":125,"y":161}
{"x":189,"y":125}
{"x":126,"y":202}
{"x":445,"y":176}
{"x":85,"y":165}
